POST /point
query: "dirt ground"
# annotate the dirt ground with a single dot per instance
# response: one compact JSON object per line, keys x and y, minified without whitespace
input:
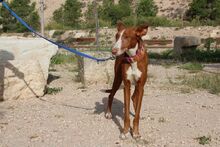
{"x":74,"y":117}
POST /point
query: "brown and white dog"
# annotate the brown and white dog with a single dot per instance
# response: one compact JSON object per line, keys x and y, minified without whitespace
{"x":130,"y":67}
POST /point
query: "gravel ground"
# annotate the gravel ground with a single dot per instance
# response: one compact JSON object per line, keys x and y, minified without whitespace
{"x":75,"y":116}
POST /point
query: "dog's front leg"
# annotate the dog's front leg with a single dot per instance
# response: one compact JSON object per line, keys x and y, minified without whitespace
{"x":127,"y":92}
{"x":139,"y":96}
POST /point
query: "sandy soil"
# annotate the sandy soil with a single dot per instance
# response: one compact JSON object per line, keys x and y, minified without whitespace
{"x":75,"y":116}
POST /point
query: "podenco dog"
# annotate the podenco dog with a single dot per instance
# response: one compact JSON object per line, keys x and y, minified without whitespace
{"x":130,"y":67}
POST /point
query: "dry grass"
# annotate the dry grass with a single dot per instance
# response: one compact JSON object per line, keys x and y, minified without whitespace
{"x":210,"y":82}
{"x":192,"y":67}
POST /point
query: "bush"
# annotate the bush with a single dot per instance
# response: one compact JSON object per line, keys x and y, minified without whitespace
{"x":202,"y":56}
{"x":204,"y":10}
{"x":152,"y":21}
{"x":168,"y":54}
{"x":208,"y":43}
{"x":63,"y":59}
{"x":112,"y":12}
{"x":160,"y":21}
{"x":55,"y":26}
{"x":90,"y":15}
{"x":129,"y":21}
{"x":212,"y":56}
{"x":68,"y":14}
{"x":146,"y":8}
{"x":53,"y":91}
{"x":26,"y":10}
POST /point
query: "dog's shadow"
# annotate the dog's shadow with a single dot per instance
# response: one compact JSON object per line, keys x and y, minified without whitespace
{"x":117,"y":110}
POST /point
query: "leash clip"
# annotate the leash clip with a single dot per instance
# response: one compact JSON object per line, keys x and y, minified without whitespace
{"x":112,"y":57}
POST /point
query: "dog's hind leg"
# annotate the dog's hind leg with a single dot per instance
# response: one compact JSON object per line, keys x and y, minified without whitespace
{"x":116,"y":85}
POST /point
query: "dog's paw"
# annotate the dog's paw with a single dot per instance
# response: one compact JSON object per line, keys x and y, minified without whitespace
{"x":136,"y":135}
{"x":108,"y":115}
{"x":124,"y":136}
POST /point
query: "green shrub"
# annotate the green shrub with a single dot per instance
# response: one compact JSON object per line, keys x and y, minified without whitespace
{"x":146,"y":8}
{"x":202,"y":56}
{"x":63,"y":58}
{"x":197,"y":55}
{"x":208,"y":43}
{"x":159,"y":21}
{"x":152,"y":21}
{"x":90,"y":16}
{"x":57,"y":33}
{"x":54,"y":26}
{"x":204,"y":140}
{"x":53,"y":91}
{"x":68,"y":14}
{"x":168,"y":54}
{"x":129,"y":20}
{"x":204,"y":10}
{"x":114,"y":12}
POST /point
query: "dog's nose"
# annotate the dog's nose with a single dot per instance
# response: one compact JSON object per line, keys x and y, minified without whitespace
{"x":114,"y":51}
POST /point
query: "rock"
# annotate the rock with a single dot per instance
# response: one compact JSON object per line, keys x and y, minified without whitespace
{"x":50,"y":33}
{"x":24,"y":64}
{"x":99,"y":72}
{"x":185,"y":43}
{"x":215,"y":34}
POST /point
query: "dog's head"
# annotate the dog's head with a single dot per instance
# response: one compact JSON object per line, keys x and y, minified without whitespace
{"x":127,"y":38}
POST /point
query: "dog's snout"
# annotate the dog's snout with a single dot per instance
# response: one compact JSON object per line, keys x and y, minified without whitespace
{"x":114,"y":51}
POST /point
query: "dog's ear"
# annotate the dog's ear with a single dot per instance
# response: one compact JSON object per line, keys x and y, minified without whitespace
{"x":120,"y":26}
{"x":142,"y":30}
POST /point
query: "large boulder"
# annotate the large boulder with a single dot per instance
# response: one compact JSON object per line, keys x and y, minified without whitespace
{"x":24,"y":64}
{"x":184,"y":44}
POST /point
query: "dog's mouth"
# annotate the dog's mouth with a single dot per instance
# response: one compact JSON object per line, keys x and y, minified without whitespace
{"x":119,"y":52}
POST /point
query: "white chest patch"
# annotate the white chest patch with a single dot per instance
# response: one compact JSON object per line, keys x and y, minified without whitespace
{"x":133,"y":73}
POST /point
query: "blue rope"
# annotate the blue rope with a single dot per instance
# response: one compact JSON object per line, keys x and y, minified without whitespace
{"x":59,"y":45}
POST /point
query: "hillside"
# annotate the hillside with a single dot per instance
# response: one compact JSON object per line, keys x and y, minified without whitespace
{"x":172,"y":8}
{"x":168,"y":8}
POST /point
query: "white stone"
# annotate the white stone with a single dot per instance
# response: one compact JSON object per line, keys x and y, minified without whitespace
{"x":24,"y":64}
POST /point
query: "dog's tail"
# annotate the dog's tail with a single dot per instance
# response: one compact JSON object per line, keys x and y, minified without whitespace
{"x":106,"y":90}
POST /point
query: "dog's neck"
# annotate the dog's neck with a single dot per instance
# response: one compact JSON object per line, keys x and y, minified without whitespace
{"x":132,"y":52}
{"x":135,"y":54}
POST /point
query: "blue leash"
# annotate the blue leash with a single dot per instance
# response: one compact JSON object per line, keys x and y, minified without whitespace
{"x":59,"y":45}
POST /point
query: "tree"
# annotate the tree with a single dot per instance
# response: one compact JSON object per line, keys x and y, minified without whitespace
{"x":90,"y":15}
{"x":112,"y":12}
{"x":204,"y":10}
{"x":146,"y":8}
{"x":68,"y":14}
{"x":216,"y":11}
{"x":26,"y":10}
{"x":58,"y":15}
